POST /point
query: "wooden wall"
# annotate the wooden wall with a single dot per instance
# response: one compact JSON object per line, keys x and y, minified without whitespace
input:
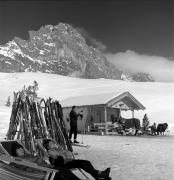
{"x":91,"y":114}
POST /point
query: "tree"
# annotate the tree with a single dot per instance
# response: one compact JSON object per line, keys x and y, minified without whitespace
{"x":8,"y":103}
{"x":30,"y":91}
{"x":145,"y":123}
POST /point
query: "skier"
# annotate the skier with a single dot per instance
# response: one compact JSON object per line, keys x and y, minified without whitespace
{"x":73,"y":123}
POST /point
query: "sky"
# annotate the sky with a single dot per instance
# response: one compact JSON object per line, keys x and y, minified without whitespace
{"x":145,"y":27}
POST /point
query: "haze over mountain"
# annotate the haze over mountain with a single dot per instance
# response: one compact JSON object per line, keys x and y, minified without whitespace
{"x":62,"y":50}
{"x":160,"y":68}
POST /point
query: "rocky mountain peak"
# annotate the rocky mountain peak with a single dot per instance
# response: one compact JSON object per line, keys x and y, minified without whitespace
{"x":58,"y":49}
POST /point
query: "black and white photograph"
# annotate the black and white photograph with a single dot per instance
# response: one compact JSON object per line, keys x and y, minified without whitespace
{"x":86,"y":90}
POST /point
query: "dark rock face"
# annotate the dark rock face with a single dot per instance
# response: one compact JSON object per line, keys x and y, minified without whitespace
{"x":142,"y":77}
{"x":59,"y":49}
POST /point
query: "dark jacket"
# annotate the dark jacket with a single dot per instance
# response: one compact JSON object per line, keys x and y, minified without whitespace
{"x":73,"y":118}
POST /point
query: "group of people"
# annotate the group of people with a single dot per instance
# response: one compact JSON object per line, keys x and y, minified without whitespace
{"x":153,"y":129}
{"x":58,"y":162}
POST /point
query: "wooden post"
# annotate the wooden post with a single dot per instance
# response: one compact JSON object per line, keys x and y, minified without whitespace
{"x":120,"y":109}
{"x":105,"y":115}
{"x":132,"y":113}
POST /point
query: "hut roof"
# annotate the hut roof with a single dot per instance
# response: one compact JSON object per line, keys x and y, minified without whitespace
{"x":114,"y":100}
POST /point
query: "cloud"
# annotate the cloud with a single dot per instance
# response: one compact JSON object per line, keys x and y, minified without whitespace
{"x":160,"y":68}
{"x":91,"y":41}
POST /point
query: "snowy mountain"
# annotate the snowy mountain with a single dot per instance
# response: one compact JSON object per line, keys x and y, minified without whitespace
{"x":62,"y":50}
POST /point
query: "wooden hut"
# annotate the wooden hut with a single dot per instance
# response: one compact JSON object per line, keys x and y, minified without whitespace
{"x":99,"y":109}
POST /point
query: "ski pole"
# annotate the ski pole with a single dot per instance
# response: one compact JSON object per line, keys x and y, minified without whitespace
{"x":82,"y":137}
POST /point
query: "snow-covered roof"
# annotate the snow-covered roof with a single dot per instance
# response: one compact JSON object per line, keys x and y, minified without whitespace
{"x":114,"y":100}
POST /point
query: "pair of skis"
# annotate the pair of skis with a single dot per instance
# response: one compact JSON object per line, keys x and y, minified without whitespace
{"x":81,"y":145}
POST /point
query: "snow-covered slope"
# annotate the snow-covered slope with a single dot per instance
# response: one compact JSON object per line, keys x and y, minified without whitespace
{"x":158,"y":98}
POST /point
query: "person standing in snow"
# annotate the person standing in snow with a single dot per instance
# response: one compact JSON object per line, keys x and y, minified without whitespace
{"x":73,"y":123}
